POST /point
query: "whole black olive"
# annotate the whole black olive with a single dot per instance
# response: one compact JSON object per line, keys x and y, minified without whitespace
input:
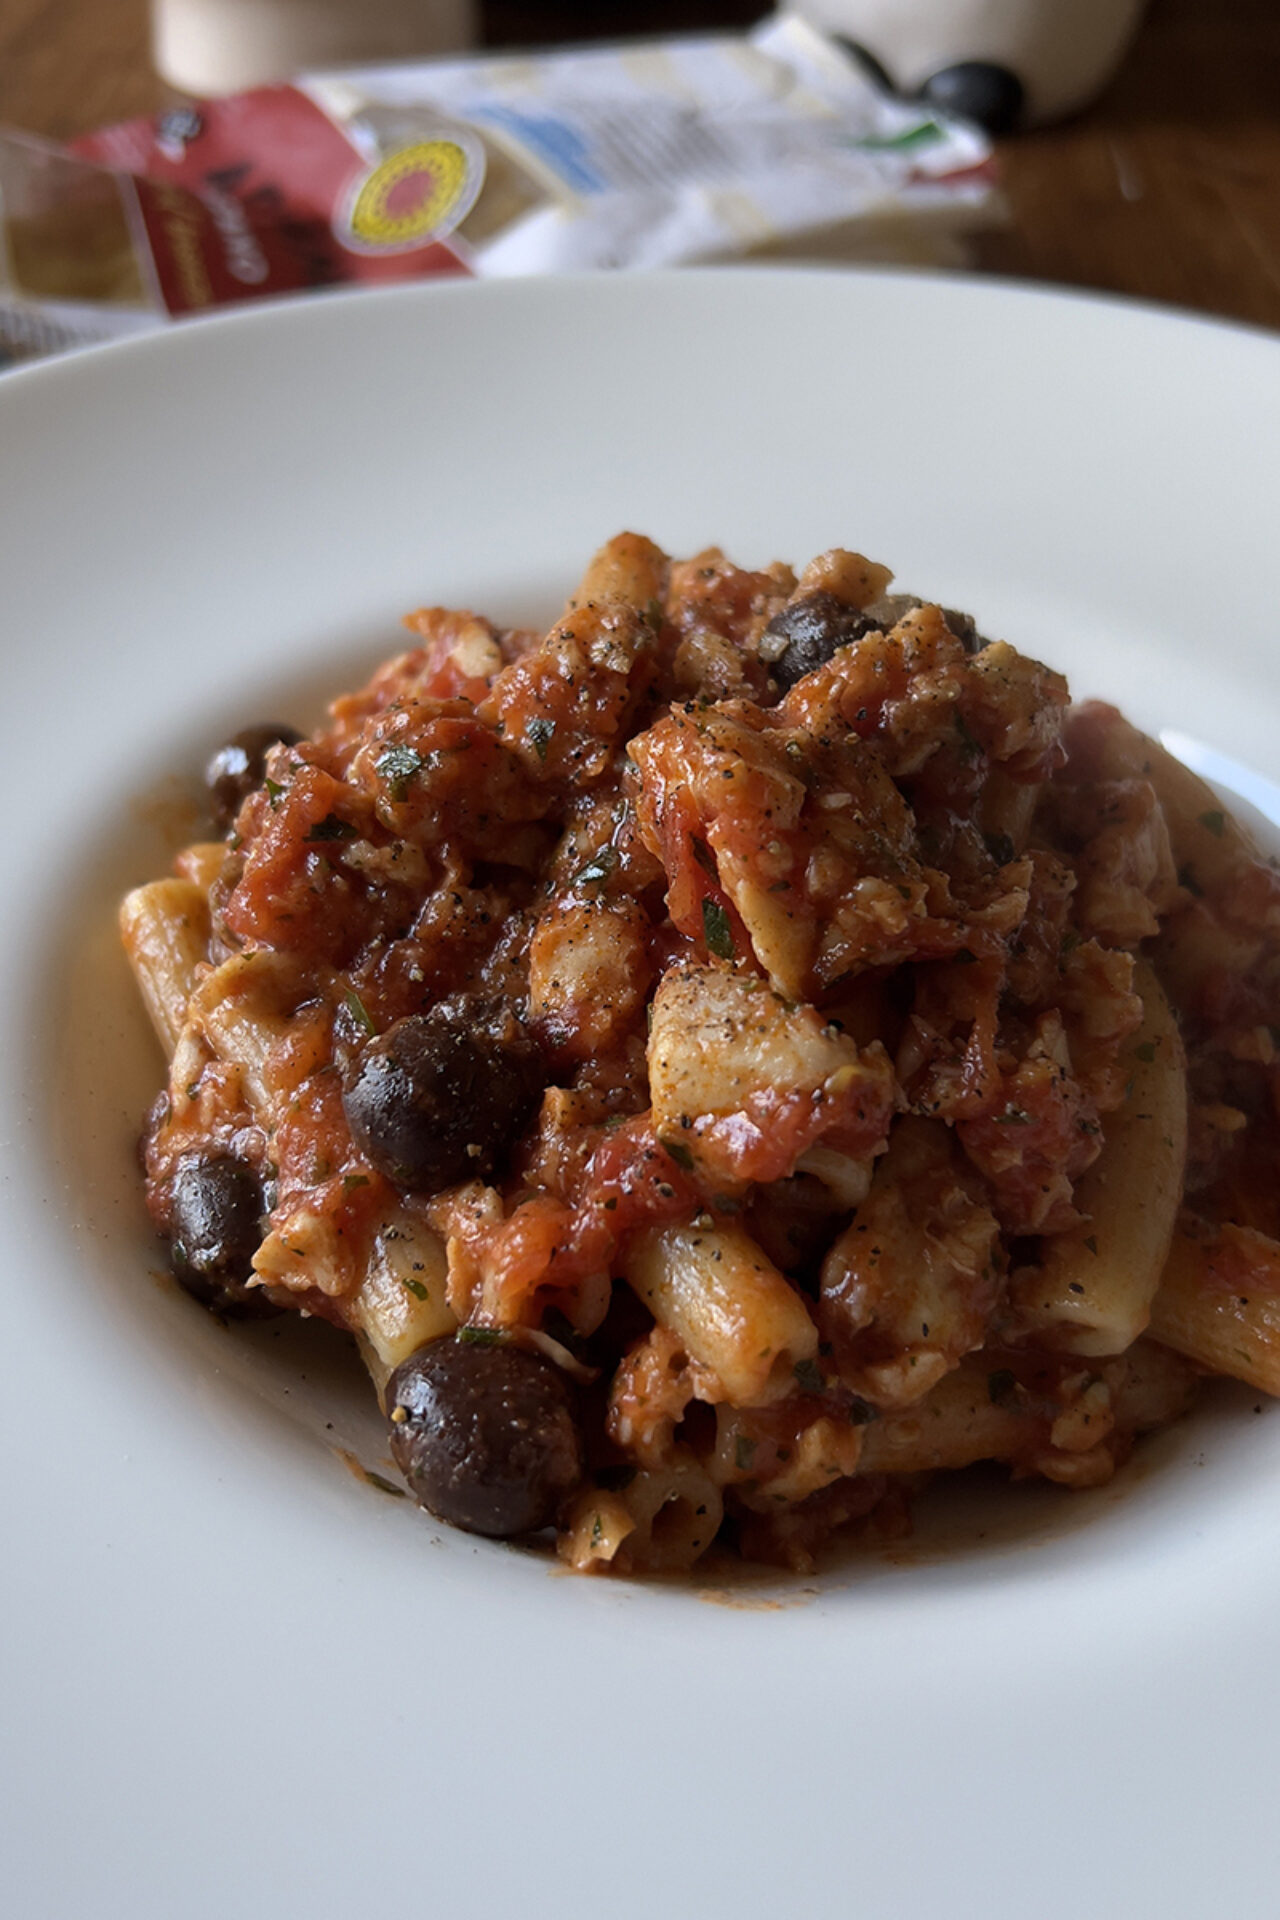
{"x":433,"y":1101}
{"x":239,"y":768}
{"x":488,"y":1436}
{"x":215,"y":1215}
{"x":977,"y":90}
{"x":814,"y":629}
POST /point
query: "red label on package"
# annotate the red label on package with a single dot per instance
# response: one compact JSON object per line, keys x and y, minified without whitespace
{"x":261,"y":194}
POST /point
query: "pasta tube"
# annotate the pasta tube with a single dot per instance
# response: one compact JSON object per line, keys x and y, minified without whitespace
{"x":402,"y":1301}
{"x":1219,"y":1302}
{"x":165,"y":930}
{"x":731,"y":1309}
{"x":1092,"y":1292}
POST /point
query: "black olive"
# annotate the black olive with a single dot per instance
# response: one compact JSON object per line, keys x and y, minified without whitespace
{"x":215,"y":1227}
{"x":965,"y":629}
{"x":814,"y":628}
{"x":488,"y":1436}
{"x":977,"y":90}
{"x":892,"y":607}
{"x":433,"y":1101}
{"x":239,"y":768}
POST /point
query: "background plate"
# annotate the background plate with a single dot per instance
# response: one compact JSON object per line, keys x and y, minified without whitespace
{"x":240,"y":1681}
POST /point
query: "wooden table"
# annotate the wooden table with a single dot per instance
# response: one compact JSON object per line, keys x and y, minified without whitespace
{"x":1168,"y":188}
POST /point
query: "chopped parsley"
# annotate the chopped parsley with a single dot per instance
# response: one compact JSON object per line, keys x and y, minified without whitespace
{"x":744,"y":1452}
{"x":357,"y":1008}
{"x":1000,"y":1386}
{"x":968,"y":745}
{"x":597,"y":868}
{"x":538,"y":733}
{"x":332,"y":828}
{"x":1215,"y":821}
{"x":718,"y":932}
{"x":809,"y":1376}
{"x":480,"y":1336}
{"x":678,"y":1152}
{"x":383,"y":1486}
{"x":398,"y":765}
{"x":703,"y":855}
{"x":415,"y":1287}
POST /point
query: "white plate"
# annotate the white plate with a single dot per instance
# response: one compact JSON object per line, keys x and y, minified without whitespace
{"x":243,"y":1683}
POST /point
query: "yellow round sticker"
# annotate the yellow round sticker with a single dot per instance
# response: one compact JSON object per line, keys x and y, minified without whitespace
{"x":416,"y":195}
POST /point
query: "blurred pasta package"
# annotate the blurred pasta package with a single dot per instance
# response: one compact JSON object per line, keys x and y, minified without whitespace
{"x":656,"y":153}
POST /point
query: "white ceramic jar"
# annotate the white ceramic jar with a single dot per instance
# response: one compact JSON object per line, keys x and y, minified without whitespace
{"x":217,"y":46}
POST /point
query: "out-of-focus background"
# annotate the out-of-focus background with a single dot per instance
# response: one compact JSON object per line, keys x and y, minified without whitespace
{"x":1167,"y":187}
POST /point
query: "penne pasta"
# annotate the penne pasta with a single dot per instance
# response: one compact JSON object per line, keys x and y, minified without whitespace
{"x":1218,"y":1302}
{"x":961,"y":1420}
{"x":1092,"y":1291}
{"x":164,"y":927}
{"x":675,"y":1514}
{"x":244,"y":1009}
{"x":595,"y":1526}
{"x":730,"y":1308}
{"x":907,"y":1289}
{"x":1213,"y":852}
{"x":1040,"y":1416}
{"x":402,"y":1301}
{"x":201,"y":863}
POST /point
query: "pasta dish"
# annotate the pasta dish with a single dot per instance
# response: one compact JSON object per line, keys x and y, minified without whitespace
{"x":724,"y":1059}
